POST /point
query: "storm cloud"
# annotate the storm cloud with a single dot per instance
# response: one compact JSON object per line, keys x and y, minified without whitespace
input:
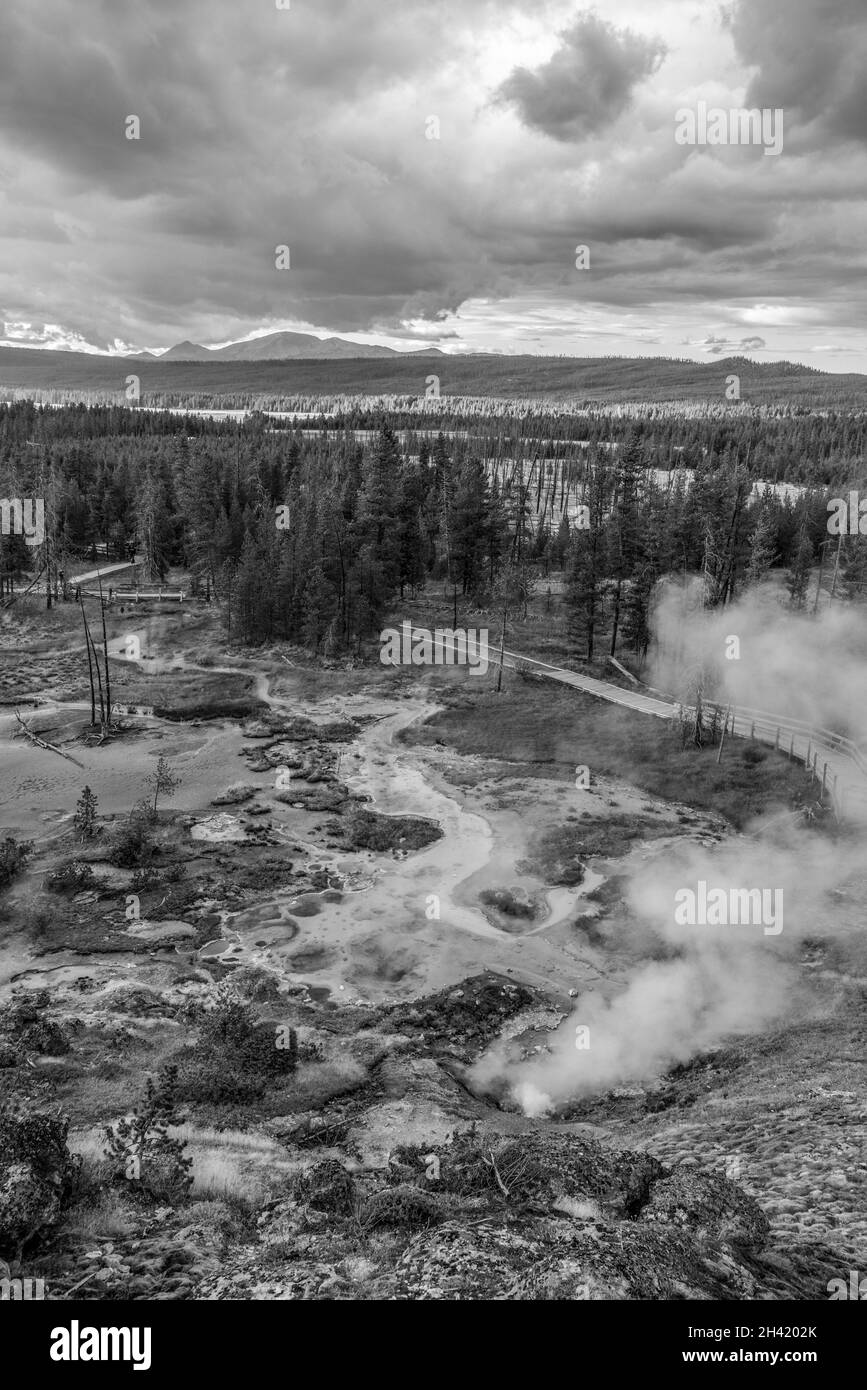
{"x":588,"y":81}
{"x":432,"y":168}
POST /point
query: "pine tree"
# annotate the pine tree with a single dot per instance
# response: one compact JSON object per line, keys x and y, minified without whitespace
{"x":469,"y":526}
{"x":153,"y":526}
{"x":409,"y":529}
{"x":559,"y":549}
{"x":763,"y":547}
{"x":316,"y":608}
{"x":583,"y":593}
{"x":163,"y":781}
{"x":853,"y":569}
{"x":84,"y":819}
{"x":626,"y":523}
{"x":798,"y":577}
{"x":636,"y":612}
{"x":141,"y":1150}
{"x":584,"y":585}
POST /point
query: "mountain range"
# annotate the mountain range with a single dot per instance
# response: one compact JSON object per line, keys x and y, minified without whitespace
{"x":279,"y":347}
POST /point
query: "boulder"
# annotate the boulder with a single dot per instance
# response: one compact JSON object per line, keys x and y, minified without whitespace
{"x":36,"y":1175}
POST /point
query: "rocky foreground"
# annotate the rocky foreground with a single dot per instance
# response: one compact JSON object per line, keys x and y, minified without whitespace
{"x":385,"y":1174}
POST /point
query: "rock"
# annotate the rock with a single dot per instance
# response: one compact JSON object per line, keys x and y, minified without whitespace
{"x":138,"y":1001}
{"x":479,"y":1009}
{"x":327,"y":1186}
{"x":712,"y":1208}
{"x":255,"y":985}
{"x":454,"y":1262}
{"x":36,"y":1175}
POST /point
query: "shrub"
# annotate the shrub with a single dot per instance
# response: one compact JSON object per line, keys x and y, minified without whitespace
{"x":208,"y":1082}
{"x":403,"y":1205}
{"x":753,"y":754}
{"x":230,"y":1031}
{"x":38,"y":919}
{"x":13,"y":856}
{"x":70,"y":877}
{"x":28,"y":1029}
{"x":133,"y":845}
{"x":327,"y":1186}
{"x":374,"y":831}
{"x":37,"y":1173}
{"x":144,"y":880}
{"x":46,"y":1038}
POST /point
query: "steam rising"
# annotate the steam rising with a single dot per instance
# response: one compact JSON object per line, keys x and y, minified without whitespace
{"x":710,"y":983}
{"x":790,"y":663}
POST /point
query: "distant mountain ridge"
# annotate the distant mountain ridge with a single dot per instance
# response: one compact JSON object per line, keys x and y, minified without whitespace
{"x":221,"y":381}
{"x":284,"y":346}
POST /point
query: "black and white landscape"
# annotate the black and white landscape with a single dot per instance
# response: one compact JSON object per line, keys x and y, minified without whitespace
{"x":433,"y":657}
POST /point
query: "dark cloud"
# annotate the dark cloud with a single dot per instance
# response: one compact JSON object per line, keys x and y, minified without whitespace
{"x":587,"y":83}
{"x":811,"y":57}
{"x":307,"y":127}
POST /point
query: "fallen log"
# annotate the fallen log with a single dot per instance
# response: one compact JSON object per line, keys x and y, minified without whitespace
{"x":50,"y":747}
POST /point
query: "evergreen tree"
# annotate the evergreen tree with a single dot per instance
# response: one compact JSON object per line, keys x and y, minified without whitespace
{"x":584,"y":585}
{"x":798,"y":577}
{"x":152,"y":526}
{"x":84,"y":819}
{"x":763,"y":547}
{"x":636,"y":611}
{"x":411,"y":545}
{"x":163,"y":781}
{"x":626,"y":524}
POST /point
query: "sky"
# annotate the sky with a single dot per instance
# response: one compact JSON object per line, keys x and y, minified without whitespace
{"x":432,"y":166}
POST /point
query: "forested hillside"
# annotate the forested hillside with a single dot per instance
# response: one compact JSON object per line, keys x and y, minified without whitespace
{"x":607,"y":379}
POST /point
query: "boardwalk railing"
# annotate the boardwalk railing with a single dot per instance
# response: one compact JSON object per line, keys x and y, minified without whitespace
{"x":833,"y":760}
{"x":128,"y":595}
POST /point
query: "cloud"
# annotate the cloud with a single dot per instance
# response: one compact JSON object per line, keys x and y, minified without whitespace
{"x":587,"y":83}
{"x":811,"y":59}
{"x":723,"y":347}
{"x":308,"y":127}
